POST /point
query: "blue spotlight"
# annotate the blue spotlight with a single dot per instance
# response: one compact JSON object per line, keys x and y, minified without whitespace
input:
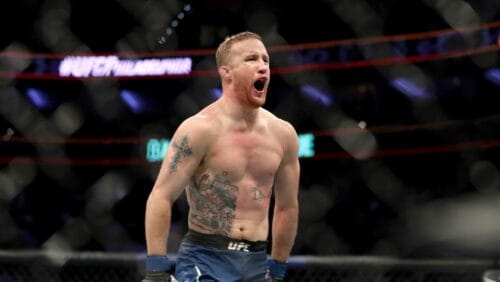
{"x":493,"y":75}
{"x":317,"y":95}
{"x":409,"y":88}
{"x":134,"y":101}
{"x":38,"y":98}
{"x":216,"y":93}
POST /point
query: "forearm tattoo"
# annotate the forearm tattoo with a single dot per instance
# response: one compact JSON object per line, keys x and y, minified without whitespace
{"x":213,"y":203}
{"x":182,"y":150}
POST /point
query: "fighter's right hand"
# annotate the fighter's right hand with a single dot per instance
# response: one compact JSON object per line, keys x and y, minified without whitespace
{"x":158,"y":269}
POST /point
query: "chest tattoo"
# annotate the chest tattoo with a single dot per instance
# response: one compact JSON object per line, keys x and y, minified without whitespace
{"x":213,"y":203}
{"x":258,"y":194}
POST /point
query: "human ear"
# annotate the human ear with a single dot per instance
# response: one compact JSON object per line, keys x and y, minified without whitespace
{"x":225,"y":72}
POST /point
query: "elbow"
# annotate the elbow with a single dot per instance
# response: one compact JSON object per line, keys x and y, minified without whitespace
{"x":291,"y":208}
{"x":158,"y":198}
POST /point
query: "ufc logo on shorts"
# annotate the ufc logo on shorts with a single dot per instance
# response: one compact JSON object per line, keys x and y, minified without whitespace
{"x":238,"y":246}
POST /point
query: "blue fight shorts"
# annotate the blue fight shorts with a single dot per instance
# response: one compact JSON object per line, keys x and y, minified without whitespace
{"x":203,"y":257}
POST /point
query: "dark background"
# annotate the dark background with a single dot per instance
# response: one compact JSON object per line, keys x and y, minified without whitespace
{"x":394,"y":174}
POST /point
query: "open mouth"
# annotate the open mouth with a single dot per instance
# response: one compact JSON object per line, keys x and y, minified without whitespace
{"x":259,"y":84}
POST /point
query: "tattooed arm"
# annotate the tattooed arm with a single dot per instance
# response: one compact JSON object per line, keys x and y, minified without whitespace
{"x":286,"y":207}
{"x":183,"y":157}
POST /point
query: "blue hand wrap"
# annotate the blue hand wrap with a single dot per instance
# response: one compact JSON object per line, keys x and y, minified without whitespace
{"x":158,"y":264}
{"x":277,"y":269}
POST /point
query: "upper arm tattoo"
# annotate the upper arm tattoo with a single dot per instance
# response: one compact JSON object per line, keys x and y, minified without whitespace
{"x":182,"y":150}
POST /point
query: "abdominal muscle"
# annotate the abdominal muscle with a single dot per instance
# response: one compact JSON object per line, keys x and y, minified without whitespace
{"x":238,"y":210}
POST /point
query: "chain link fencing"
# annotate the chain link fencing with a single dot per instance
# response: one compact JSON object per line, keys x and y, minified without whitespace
{"x":38,"y":266}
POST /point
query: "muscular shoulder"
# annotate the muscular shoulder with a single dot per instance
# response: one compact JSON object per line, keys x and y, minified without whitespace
{"x":201,"y":122}
{"x":279,"y":125}
{"x":199,"y":129}
{"x":282,"y":128}
{"x":287,"y":136}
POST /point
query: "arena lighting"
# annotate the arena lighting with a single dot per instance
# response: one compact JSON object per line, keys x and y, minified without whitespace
{"x":156,"y":148}
{"x":38,"y":98}
{"x":174,"y":23}
{"x":106,"y":66}
{"x":316,"y":94}
{"x":493,"y":75}
{"x":134,"y":101}
{"x":325,"y":55}
{"x":409,"y":88}
{"x":216,"y":93}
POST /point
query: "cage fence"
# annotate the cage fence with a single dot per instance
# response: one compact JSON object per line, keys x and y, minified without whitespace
{"x":35,"y":266}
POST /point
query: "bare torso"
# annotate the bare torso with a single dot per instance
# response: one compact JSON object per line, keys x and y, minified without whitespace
{"x":231,"y":190}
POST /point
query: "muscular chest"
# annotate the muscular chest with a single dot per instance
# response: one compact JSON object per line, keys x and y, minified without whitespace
{"x":252,"y":154}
